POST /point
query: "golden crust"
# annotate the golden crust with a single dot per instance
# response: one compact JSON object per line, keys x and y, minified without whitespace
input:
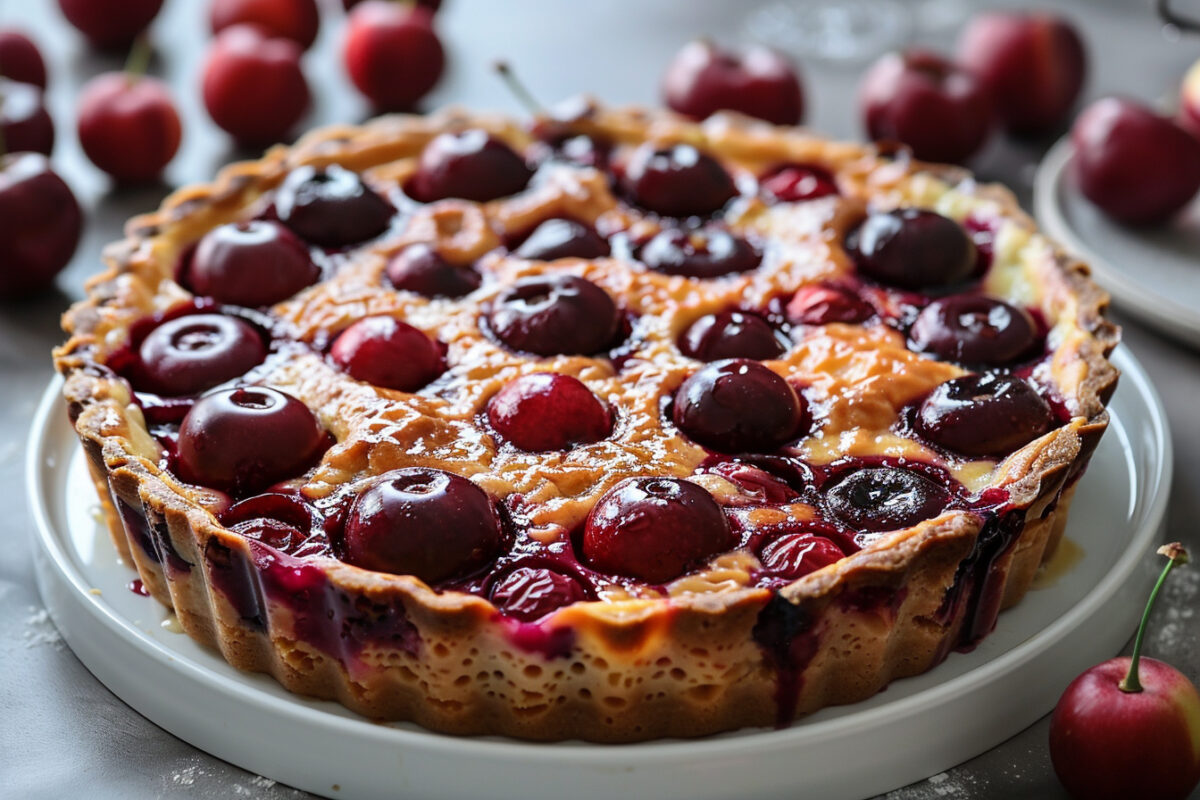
{"x":626,"y":668}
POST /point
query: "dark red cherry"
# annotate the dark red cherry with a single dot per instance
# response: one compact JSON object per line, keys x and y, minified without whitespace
{"x":251,"y":264}
{"x":546,"y":411}
{"x":471,"y":165}
{"x":384,"y":351}
{"x":731,"y":334}
{"x":245,"y":439}
{"x":20,"y":59}
{"x":190,"y":354}
{"x":654,"y":529}
{"x":886,"y":498}
{"x":530,"y":593}
{"x":586,"y":151}
{"x":794,"y":555}
{"x":677,"y":181}
{"x":562,"y":238}
{"x":424,"y":522}
{"x":128,"y":125}
{"x":297,"y":20}
{"x":703,"y":79}
{"x":420,"y":268}
{"x":974,"y":329}
{"x":912,"y":248}
{"x":40,"y":222}
{"x":24,"y":121}
{"x":283,"y":521}
{"x":110,"y":24}
{"x":392,"y":53}
{"x":702,"y":253}
{"x":555,"y":314}
{"x":983,"y":415}
{"x":331,"y":207}
{"x":797,"y":182}
{"x":821,"y":305}
{"x":738,"y":406}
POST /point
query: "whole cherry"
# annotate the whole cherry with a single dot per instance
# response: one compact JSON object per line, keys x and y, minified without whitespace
{"x":421,"y":269}
{"x":297,"y":20}
{"x":1129,"y":727}
{"x":20,"y":59}
{"x":974,"y":329}
{"x":704,"y":78}
{"x":1189,"y":100}
{"x":253,"y":86}
{"x":554,"y":314}
{"x":256,"y":263}
{"x":731,"y":334}
{"x":40,"y":223}
{"x":545,"y":411}
{"x":384,"y":351}
{"x":331,"y":206}
{"x":110,"y":24}
{"x":912,"y":248}
{"x":823,"y":304}
{"x":983,"y":415}
{"x":562,"y":238}
{"x":530,"y":593}
{"x":677,"y":181}
{"x":875,"y":499}
{"x":392,"y":53}
{"x":24,"y":122}
{"x":708,"y":252}
{"x":794,"y":555}
{"x":738,"y":405}
{"x":470,"y":164}
{"x":192,"y":353}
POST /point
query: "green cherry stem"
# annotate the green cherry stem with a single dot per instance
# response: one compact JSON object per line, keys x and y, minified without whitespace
{"x":1177,"y":556}
{"x":139,"y":58}
{"x":518,"y":88}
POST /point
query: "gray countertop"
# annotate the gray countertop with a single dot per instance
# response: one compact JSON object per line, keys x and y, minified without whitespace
{"x":62,"y":734}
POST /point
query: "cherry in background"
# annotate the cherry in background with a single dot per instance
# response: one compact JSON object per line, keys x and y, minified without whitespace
{"x":40,"y":223}
{"x":24,"y":122}
{"x":432,"y":5}
{"x":704,"y":78}
{"x":20,"y":60}
{"x":1189,"y":100}
{"x":392,"y":54}
{"x":297,"y":20}
{"x":110,"y":24}
{"x":253,"y":85}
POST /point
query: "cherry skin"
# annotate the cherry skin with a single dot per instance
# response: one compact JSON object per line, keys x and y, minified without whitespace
{"x":297,"y":20}
{"x":421,"y":269}
{"x":555,"y":314}
{"x":983,"y":415}
{"x":886,"y":498}
{"x":1137,"y":166}
{"x":545,"y":411}
{"x":110,"y":24}
{"x":794,"y":183}
{"x":392,"y":54}
{"x":794,"y":555}
{"x":20,"y":59}
{"x":244,"y":439}
{"x":759,"y":82}
{"x":704,"y":253}
{"x":253,"y":86}
{"x":40,"y":223}
{"x":677,"y":181}
{"x":731,"y":334}
{"x":1189,"y":101}
{"x":24,"y":121}
{"x":530,"y":593}
{"x":432,"y":5}
{"x":922,"y":100}
{"x":128,"y":125}
{"x":423,"y":522}
{"x":190,"y":354}
{"x":913,"y":249}
{"x":384,"y":351}
{"x":974,"y":329}
{"x":331,"y":207}
{"x":471,"y":165}
{"x":821,"y":305}
{"x":250,"y":264}
{"x":654,"y":529}
{"x":1033,"y":64}
{"x":738,"y":406}
{"x":562,"y":238}
{"x":282,"y":521}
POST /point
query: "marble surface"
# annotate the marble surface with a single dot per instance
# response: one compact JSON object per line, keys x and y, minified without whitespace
{"x":62,"y":734}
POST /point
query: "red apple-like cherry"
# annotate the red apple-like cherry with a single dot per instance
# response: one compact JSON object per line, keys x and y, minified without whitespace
{"x":924,"y":101}
{"x":704,"y":78}
{"x":1033,"y":63}
{"x":110,"y":24}
{"x":1189,"y":100}
{"x":24,"y":122}
{"x":1137,"y":166}
{"x":392,"y":53}
{"x":20,"y":59}
{"x":40,"y":224}
{"x":128,"y":125}
{"x":297,"y":20}
{"x":253,"y":86}
{"x":1129,"y":727}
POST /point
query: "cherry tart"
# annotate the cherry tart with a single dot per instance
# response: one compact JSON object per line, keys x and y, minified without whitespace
{"x":583,"y":427}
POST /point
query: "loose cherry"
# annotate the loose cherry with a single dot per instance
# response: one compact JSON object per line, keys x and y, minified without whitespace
{"x":128,"y":125}
{"x":759,"y":82}
{"x":24,"y":123}
{"x":297,"y":20}
{"x":530,"y":593}
{"x":823,"y":304}
{"x":702,"y":253}
{"x":677,"y":181}
{"x":794,"y":555}
{"x":190,"y":354}
{"x":421,"y":269}
{"x":983,"y":415}
{"x":562,"y":238}
{"x":737,"y":406}
{"x":794,"y":183}
{"x":912,"y":248}
{"x":110,"y":24}
{"x":886,"y":498}
{"x":545,"y":411}
{"x":555,"y":314}
{"x":251,"y":264}
{"x":384,"y":351}
{"x":731,"y":334}
{"x":424,"y":522}
{"x":392,"y":53}
{"x":40,"y":223}
{"x":331,"y":206}
{"x":471,"y":165}
{"x":253,"y":86}
{"x":654,"y":529}
{"x":974,"y":329}
{"x":20,"y":59}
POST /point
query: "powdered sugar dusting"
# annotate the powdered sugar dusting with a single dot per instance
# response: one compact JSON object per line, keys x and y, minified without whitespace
{"x":1173,"y":625}
{"x":40,"y":630}
{"x":941,"y":785}
{"x":195,"y":778}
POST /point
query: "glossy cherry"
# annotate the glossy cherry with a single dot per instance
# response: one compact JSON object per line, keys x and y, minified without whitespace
{"x":421,"y":269}
{"x":383,"y":351}
{"x":392,"y":53}
{"x":424,"y":522}
{"x":677,"y":181}
{"x":794,"y":555}
{"x":530,"y":593}
{"x":253,"y":86}
{"x":128,"y":125}
{"x":251,"y":264}
{"x":759,"y":82}
{"x":555,"y":314}
{"x":471,"y":165}
{"x":912,"y":248}
{"x":40,"y":223}
{"x":654,"y":529}
{"x":793,"y":183}
{"x":24,"y":122}
{"x":545,"y":411}
{"x":737,"y":406}
{"x":20,"y":59}
{"x":702,"y":253}
{"x":331,"y":207}
{"x":983,"y":415}
{"x":886,"y":498}
{"x":731,"y":334}
{"x":190,"y":354}
{"x":562,"y":238}
{"x":974,"y":329}
{"x":822,"y":304}
{"x":926,"y":102}
{"x":283,"y":521}
{"x":244,"y":439}
{"x":110,"y":24}
{"x":297,"y":20}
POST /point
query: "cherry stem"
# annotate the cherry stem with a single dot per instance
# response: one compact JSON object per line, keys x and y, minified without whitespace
{"x":1176,"y":555}
{"x":518,"y":88}
{"x":139,"y":58}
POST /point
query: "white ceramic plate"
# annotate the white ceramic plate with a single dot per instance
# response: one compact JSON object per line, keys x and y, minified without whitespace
{"x":918,"y":727}
{"x":1152,"y":273}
